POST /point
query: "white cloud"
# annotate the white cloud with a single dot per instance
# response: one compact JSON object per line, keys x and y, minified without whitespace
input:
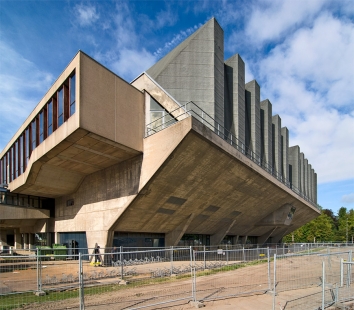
{"x":270,"y":19}
{"x":86,"y":15}
{"x":348,"y":198}
{"x":308,"y":77}
{"x":132,"y":62}
{"x":22,"y":85}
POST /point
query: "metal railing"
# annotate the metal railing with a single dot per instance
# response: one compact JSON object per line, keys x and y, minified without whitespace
{"x":191,"y":109}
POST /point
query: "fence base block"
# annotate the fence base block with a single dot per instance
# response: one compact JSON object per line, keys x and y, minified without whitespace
{"x":271,"y":293}
{"x":39,"y":293}
{"x":123,"y":282}
{"x":197,"y":304}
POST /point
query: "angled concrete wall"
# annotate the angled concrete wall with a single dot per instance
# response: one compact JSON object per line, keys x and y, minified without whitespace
{"x":194,"y":70}
{"x":235,"y":97}
{"x":266,"y":132}
{"x":253,"y":119}
{"x":285,"y":150}
{"x":276,"y":144}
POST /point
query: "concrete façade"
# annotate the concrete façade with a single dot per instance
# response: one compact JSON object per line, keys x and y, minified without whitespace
{"x":186,"y":149}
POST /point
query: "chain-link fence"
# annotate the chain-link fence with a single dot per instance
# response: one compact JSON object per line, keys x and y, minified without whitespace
{"x":141,"y":278}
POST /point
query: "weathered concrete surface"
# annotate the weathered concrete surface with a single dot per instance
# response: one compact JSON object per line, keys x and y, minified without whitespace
{"x":207,"y":176}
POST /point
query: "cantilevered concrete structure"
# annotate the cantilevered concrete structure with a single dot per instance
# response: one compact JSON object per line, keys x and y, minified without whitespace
{"x":186,"y":154}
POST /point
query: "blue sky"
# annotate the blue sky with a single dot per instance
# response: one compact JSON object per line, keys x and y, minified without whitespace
{"x":300,"y":52}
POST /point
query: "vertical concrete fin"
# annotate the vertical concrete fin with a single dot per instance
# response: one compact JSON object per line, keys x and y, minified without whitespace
{"x":302,"y":173}
{"x":235,"y":100}
{"x":194,"y":70}
{"x":276,"y":144}
{"x":172,"y":238}
{"x":315,"y":186}
{"x":294,"y":162}
{"x":266,"y":133}
{"x":306,"y":177}
{"x":253,"y":121}
{"x":285,"y":152}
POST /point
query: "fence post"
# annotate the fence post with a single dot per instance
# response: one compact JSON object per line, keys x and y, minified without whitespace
{"x":38,"y":253}
{"x":274,"y":279}
{"x":268,"y":258}
{"x":121,"y":261}
{"x":81,"y":284}
{"x":323,"y":284}
{"x":171,"y":259}
{"x":243,"y":252}
{"x":350,"y":260}
{"x":227,"y":256}
{"x":341,"y":272}
{"x":192,"y":264}
{"x":204,"y":258}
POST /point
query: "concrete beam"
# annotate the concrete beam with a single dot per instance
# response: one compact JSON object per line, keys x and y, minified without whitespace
{"x":172,"y":238}
{"x":262,"y":239}
{"x":17,"y":213}
{"x":216,"y":238}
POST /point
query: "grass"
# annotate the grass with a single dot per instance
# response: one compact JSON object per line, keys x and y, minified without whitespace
{"x":12,"y":301}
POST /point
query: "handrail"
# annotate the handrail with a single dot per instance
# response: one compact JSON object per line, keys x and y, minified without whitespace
{"x":191,"y":109}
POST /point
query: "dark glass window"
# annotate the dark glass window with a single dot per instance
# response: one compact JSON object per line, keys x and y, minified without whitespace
{"x":33,"y":135}
{"x":50,"y":117}
{"x":21,"y":154}
{"x":27,"y":148}
{"x":60,"y":107}
{"x":12,"y":163}
{"x":41,"y":126}
{"x":16,"y":158}
{"x":72,"y":95}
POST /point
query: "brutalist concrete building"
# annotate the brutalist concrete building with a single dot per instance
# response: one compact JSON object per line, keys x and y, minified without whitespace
{"x":186,"y":154}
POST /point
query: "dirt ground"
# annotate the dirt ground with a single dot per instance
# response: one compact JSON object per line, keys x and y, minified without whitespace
{"x":248,"y":287}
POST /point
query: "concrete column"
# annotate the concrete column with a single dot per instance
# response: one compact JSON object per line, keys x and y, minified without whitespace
{"x":3,"y":239}
{"x":294,"y":161}
{"x":253,"y":118}
{"x":18,"y":239}
{"x":31,"y":241}
{"x":262,"y":239}
{"x":25,"y":241}
{"x":234,"y":97}
{"x":285,"y":152}
{"x":216,"y":238}
{"x":276,"y":144}
{"x":172,"y":238}
{"x":243,"y":239}
{"x":266,"y":133}
{"x":100,"y":237}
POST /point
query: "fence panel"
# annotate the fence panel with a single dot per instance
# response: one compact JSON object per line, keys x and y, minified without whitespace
{"x":134,"y":280}
{"x":35,"y":279}
{"x":219,"y":273}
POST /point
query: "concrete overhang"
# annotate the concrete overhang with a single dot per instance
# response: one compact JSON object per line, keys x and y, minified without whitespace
{"x":209,"y":184}
{"x":60,"y":169}
{"x":19,"y":213}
